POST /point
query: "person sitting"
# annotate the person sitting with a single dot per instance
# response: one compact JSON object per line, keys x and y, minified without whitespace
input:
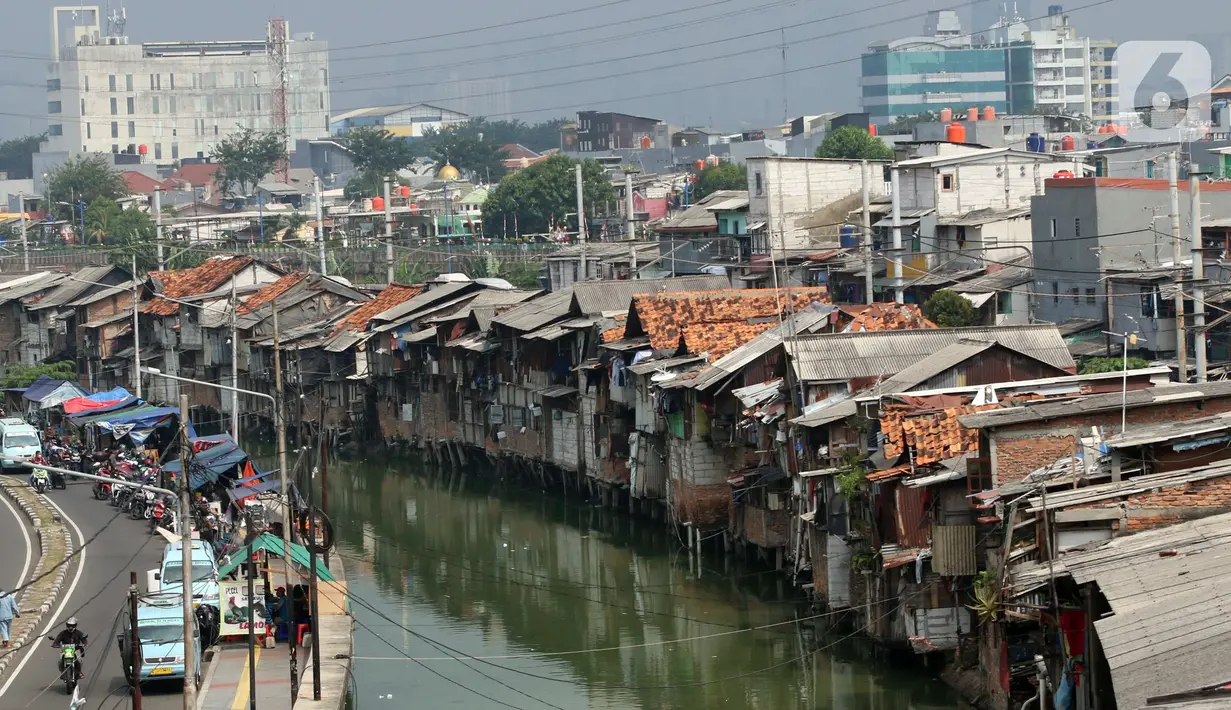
{"x":70,"y":634}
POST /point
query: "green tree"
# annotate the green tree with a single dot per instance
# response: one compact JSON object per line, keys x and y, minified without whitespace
{"x":544,"y":193}
{"x":1095,"y":365}
{"x":724,"y":176}
{"x":535,"y":136}
{"x":100,"y":218}
{"x":19,"y":375}
{"x":17,"y":156}
{"x":84,"y":178}
{"x":949,"y":309}
{"x":377,"y":153}
{"x":905,"y":124}
{"x":853,"y":143}
{"x":476,"y":154}
{"x":246,"y":157}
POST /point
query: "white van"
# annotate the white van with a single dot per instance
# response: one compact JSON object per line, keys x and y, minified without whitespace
{"x":19,"y":442}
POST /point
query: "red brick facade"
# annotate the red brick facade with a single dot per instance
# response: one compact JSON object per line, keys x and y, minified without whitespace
{"x":1168,"y":506}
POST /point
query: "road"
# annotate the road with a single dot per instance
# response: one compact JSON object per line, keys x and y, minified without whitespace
{"x":95,"y":592}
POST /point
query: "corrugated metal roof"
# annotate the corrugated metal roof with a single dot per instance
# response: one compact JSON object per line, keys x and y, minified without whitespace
{"x":1168,"y":632}
{"x":72,"y":287}
{"x":593,"y":297}
{"x":490,"y":299}
{"x":700,"y":217}
{"x":649,"y":366}
{"x":422,"y":336}
{"x":427,"y":298}
{"x":21,"y":288}
{"x":993,"y":282}
{"x":476,"y":342}
{"x":1044,"y":410}
{"x":537,"y":313}
{"x":556,"y":391}
{"x":949,"y":356}
{"x":1140,"y":435}
{"x":987,"y":215}
{"x":101,"y":294}
{"x":846,"y":356}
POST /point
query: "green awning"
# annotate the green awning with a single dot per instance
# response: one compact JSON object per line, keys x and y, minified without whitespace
{"x":273,"y":544}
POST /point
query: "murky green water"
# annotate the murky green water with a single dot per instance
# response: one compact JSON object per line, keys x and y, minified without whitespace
{"x":508,"y":598}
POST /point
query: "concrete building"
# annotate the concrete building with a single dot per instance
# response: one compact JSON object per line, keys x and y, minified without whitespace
{"x":605,"y":130}
{"x":408,"y":121}
{"x":171,"y":100}
{"x":1087,"y":228}
{"x":797,"y":202}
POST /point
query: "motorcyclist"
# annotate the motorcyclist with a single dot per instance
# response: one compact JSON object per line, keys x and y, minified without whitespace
{"x":38,"y":472}
{"x":70,"y":634}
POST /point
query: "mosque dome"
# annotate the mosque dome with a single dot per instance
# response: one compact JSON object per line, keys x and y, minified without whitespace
{"x":448,"y":172}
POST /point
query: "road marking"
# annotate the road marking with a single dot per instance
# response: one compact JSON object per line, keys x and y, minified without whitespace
{"x":21,"y":523}
{"x":241,"y":692}
{"x":68,"y":594}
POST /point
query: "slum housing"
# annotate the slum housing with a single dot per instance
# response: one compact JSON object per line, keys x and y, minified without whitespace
{"x":972,"y":494}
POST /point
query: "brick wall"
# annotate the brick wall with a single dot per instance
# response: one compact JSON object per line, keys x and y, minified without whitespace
{"x":1018,"y":450}
{"x":762,"y":527}
{"x":700,"y":505}
{"x":1168,"y":506}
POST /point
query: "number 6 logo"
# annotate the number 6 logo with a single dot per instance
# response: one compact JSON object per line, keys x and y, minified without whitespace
{"x":1164,"y":88}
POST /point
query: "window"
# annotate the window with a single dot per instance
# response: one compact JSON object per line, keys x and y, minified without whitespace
{"x":155,"y":104}
{"x":171,"y":79}
{"x":1077,"y":226}
{"x":83,"y":107}
{"x":322,"y":101}
{"x":175,"y":151}
{"x":1055,"y":293}
{"x":115,"y":148}
{"x":1004,"y":303}
{"x":1073,"y":53}
{"x":325,"y":77}
{"x":158,"y":151}
{"x":115,"y":131}
{"x":55,"y":129}
{"x":87,"y":83}
{"x":1090,"y":297}
{"x":132,"y":129}
{"x":1075,"y":293}
{"x":209,"y":104}
{"x":946,"y":182}
{"x":111,"y":81}
{"x":1053,"y":228}
{"x":128,"y":82}
{"x":1147,"y":302}
{"x":1073,"y":72}
{"x":760,"y":187}
{"x":53,"y":84}
{"x":115,"y":106}
{"x":170,"y":104}
{"x":88,"y":131}
{"x":53,"y":106}
{"x":132,"y":105}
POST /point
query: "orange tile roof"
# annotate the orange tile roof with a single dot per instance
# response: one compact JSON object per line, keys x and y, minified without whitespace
{"x":193,"y":282}
{"x":933,"y":435}
{"x":272,"y":291}
{"x":392,"y":295}
{"x":887,"y":316}
{"x":667,"y":316}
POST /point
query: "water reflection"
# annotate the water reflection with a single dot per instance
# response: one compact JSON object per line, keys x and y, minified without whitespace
{"x":567,"y":606}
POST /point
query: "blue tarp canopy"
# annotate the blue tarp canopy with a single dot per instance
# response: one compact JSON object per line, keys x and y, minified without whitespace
{"x":136,"y":423}
{"x":210,"y":464}
{"x":244,"y":492}
{"x":48,"y":392}
{"x":253,"y":479}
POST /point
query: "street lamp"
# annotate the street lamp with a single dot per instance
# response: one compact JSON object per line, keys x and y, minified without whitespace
{"x":1129,"y":339}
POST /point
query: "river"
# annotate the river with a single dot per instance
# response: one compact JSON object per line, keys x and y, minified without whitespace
{"x":468,"y":594}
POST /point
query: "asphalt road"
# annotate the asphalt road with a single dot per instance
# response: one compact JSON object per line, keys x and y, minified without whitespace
{"x":95,"y":592}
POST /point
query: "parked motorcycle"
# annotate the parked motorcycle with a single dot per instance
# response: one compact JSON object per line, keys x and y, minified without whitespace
{"x":162,"y":516}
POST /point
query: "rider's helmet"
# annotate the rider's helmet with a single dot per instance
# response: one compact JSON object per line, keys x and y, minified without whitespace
{"x":71,"y":623}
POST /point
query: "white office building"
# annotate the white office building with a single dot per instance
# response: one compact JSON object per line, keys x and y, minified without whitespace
{"x":172,"y":100}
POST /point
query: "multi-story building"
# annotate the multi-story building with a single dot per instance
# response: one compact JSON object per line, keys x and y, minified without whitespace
{"x":1009,"y":67}
{"x":173,"y":100}
{"x":604,"y":130}
{"x":409,"y":121}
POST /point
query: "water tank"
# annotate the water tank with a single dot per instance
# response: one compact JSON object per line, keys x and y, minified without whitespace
{"x":699,"y":164}
{"x":143,"y":149}
{"x":1064,"y":174}
{"x":946,"y":115}
{"x":848,"y":237}
{"x":711,"y":161}
{"x":647,"y":142}
{"x":1068,"y":143}
{"x":1121,"y":130}
{"x":972,"y":114}
{"x":403,"y":191}
{"x":367,"y":204}
{"x":378,"y":204}
{"x":989,"y":113}
{"x":414,"y":209}
{"x":1035,"y":143}
{"x":955,"y":133}
{"x":871,"y":129}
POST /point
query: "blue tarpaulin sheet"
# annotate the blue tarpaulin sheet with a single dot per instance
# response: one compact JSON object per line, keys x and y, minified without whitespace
{"x":252,"y":479}
{"x":48,"y":392}
{"x":210,"y":464}
{"x":44,"y":385}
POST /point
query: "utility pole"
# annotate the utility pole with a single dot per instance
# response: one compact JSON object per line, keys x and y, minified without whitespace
{"x":320,"y":225}
{"x":581,"y":226}
{"x":162,"y":263}
{"x":1198,"y":255}
{"x":285,"y":498}
{"x":1181,"y":340}
{"x":315,"y":599}
{"x":388,"y":233}
{"x":866,"y":225}
{"x":136,"y":331}
{"x":251,"y":567}
{"x":234,"y":367}
{"x":630,"y":222}
{"x":134,"y":642}
{"x":25,"y":245}
{"x":897,"y":236}
{"x":190,"y":651}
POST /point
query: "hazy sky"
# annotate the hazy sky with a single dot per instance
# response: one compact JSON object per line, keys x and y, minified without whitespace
{"x":586,"y":59}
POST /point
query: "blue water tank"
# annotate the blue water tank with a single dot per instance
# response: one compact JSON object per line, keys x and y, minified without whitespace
{"x":848,"y":237}
{"x":1035,"y":143}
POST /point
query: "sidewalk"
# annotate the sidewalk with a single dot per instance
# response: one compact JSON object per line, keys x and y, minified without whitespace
{"x":227,"y":686}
